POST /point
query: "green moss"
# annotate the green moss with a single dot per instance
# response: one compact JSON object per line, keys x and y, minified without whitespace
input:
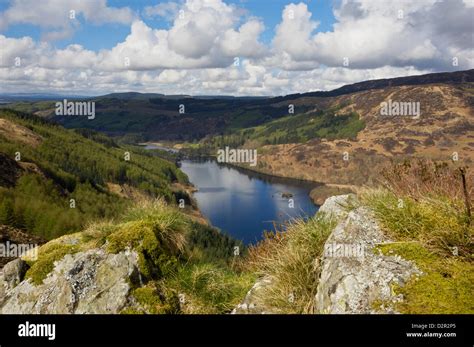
{"x":45,"y":263}
{"x":147,"y":296}
{"x":153,"y":259}
{"x":155,"y":299}
{"x":445,"y":287}
{"x":149,"y":299}
{"x":131,"y":235}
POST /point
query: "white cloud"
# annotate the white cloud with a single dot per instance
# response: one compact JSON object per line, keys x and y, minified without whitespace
{"x":61,"y":17}
{"x":244,"y":42}
{"x":371,"y":34}
{"x":164,"y":9}
{"x":195,"y":55}
{"x":171,"y":76}
{"x":293,"y":34}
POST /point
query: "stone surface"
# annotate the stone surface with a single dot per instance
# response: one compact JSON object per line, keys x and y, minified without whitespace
{"x":250,"y":305}
{"x":334,"y":206}
{"x":10,"y":276}
{"x":355,"y":275}
{"x":93,"y":281}
{"x":13,"y":272}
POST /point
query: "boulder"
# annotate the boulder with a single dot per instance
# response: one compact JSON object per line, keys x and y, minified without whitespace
{"x":335,"y":206}
{"x":92,"y":281}
{"x":355,"y":275}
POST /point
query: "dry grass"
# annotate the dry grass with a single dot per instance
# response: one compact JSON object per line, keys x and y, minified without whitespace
{"x":426,"y":202}
{"x":290,"y":259}
{"x":424,"y":178}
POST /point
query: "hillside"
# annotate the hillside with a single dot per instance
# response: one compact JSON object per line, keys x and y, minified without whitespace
{"x":345,"y":141}
{"x":345,"y":127}
{"x":155,"y":117}
{"x":104,"y":234}
{"x":54,"y":181}
{"x":359,"y":254}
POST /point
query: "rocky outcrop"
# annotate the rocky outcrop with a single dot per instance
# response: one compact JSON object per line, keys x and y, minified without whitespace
{"x":322,"y":192}
{"x":355,"y":275}
{"x":93,"y":281}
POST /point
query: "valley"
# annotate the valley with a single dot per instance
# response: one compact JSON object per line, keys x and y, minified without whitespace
{"x":210,"y":204}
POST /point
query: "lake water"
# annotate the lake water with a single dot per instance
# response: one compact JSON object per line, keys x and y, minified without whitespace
{"x":244,"y":204}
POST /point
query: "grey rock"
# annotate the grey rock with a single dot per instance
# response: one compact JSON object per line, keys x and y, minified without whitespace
{"x":93,"y":281}
{"x":354,"y":275}
{"x":335,"y":206}
{"x":10,"y":276}
{"x":251,"y":304}
{"x":13,"y":272}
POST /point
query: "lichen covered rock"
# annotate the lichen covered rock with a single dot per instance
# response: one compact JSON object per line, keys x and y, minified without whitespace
{"x":355,"y":275}
{"x":92,"y":281}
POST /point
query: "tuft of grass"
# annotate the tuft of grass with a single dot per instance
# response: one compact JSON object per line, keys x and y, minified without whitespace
{"x":290,"y":259}
{"x":169,"y":225}
{"x":208,"y":288}
{"x":437,"y":222}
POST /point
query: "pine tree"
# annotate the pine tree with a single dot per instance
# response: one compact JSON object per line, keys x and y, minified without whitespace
{"x":7,"y":212}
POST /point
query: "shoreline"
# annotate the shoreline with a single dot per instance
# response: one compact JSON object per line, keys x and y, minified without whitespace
{"x":318,"y":193}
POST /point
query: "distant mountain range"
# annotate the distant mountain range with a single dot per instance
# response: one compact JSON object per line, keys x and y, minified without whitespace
{"x":153,"y":116}
{"x":439,"y":77}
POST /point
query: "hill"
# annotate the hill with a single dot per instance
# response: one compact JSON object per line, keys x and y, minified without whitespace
{"x":54,"y":181}
{"x":103,"y":228}
{"x":155,"y":117}
{"x":346,"y":140}
{"x":344,"y":126}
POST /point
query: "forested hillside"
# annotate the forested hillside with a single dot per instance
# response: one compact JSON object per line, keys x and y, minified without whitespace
{"x":110,"y":208}
{"x":54,"y":180}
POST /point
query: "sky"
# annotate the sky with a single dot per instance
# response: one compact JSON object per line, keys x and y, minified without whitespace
{"x":226,"y":47}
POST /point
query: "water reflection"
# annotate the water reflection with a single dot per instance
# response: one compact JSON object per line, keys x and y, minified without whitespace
{"x":243,"y":203}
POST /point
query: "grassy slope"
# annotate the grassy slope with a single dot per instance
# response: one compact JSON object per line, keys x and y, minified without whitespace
{"x":298,"y":128}
{"x":186,"y":267}
{"x":424,"y":211}
{"x":421,"y":209}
